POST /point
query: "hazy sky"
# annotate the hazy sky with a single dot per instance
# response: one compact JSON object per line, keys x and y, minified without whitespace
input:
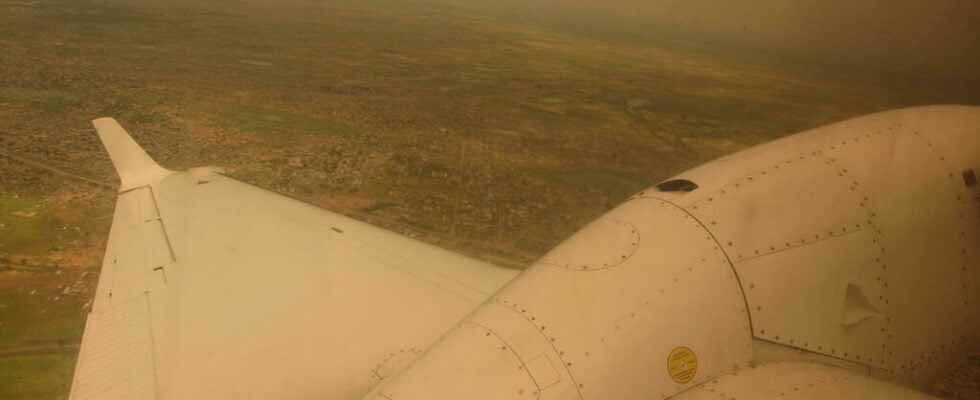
{"x":934,"y":36}
{"x":928,"y":32}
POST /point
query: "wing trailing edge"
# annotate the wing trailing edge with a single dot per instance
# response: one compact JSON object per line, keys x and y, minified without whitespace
{"x":134,"y":167}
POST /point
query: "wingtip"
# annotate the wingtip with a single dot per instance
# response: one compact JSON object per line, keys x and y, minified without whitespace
{"x":134,"y":167}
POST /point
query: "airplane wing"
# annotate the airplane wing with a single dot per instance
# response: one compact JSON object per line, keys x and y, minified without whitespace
{"x":212,"y":288}
{"x":798,"y":381}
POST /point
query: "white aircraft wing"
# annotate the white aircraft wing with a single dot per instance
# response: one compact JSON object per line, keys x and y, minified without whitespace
{"x":215,"y":289}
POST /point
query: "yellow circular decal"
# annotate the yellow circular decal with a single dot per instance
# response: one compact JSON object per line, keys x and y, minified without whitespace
{"x":682,"y":364}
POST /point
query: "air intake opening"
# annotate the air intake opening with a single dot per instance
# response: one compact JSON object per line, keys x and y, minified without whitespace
{"x":677,"y":185}
{"x":969,"y":178}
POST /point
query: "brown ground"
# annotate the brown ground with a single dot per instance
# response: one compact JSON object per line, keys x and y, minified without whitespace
{"x":478,"y":132}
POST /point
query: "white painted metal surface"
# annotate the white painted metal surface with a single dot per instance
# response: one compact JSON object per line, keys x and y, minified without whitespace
{"x":857,"y":240}
{"x":853,"y":246}
{"x":598,"y":318}
{"x":798,"y":381}
{"x":214,"y":289}
{"x":853,"y":243}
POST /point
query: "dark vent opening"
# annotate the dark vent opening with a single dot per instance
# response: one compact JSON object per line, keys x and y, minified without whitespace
{"x":969,"y":178}
{"x":677,"y":185}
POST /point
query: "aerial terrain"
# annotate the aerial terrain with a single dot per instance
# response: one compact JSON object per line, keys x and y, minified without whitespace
{"x":461,"y":125}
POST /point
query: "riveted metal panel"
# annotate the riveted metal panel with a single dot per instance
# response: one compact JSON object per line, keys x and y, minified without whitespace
{"x":954,"y":137}
{"x":929,"y":256}
{"x":799,"y":297}
{"x":473,"y":350}
{"x":889,"y":185}
{"x":799,"y":232}
{"x":798,"y":381}
{"x":620,"y":242}
{"x":953,"y":132}
{"x":609,"y":332}
{"x":783,"y":207}
{"x":922,"y":214}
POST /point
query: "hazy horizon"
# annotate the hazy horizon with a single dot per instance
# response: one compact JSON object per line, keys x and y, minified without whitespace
{"x":937,"y":39}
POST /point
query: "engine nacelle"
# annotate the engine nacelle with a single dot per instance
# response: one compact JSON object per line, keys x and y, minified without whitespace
{"x":855,"y":243}
{"x":643,"y":295}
